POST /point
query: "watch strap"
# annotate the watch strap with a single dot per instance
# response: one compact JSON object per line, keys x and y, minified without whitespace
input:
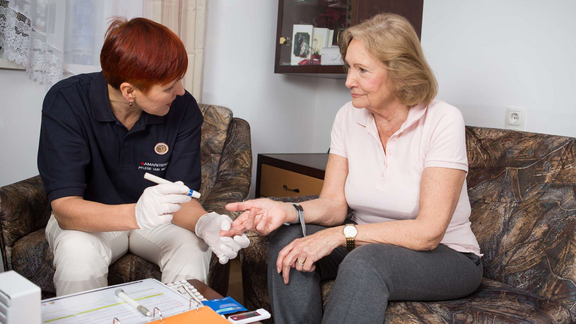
{"x":300,"y":217}
{"x":350,"y":244}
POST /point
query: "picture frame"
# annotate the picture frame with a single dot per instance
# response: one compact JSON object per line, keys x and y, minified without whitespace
{"x":302,"y":37}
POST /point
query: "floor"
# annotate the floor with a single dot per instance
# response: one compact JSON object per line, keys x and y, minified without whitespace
{"x":235,"y":283}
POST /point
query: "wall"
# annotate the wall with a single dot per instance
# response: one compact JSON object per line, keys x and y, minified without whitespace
{"x":491,"y":54}
{"x":239,"y":74}
{"x":20,"y":106}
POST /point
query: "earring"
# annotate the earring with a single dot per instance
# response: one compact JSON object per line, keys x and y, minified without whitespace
{"x":130,"y":103}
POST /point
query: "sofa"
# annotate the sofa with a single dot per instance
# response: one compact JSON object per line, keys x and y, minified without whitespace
{"x":522,"y":189}
{"x":226,"y":177}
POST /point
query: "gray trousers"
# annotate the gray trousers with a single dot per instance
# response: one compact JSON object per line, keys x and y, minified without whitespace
{"x":366,"y":279}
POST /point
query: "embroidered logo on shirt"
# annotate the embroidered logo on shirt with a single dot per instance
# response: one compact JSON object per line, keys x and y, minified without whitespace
{"x":153,"y":166}
{"x":161,"y":148}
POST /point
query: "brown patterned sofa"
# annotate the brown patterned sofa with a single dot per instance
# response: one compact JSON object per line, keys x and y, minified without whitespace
{"x":226,"y":177}
{"x":522,"y":188}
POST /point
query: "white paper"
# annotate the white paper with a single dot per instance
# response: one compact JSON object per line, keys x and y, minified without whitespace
{"x":102,"y":305}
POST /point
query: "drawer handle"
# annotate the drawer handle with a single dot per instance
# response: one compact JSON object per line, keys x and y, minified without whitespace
{"x":286,"y":188}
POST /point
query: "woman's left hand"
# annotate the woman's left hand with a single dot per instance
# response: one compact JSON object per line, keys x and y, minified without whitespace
{"x":302,"y":253}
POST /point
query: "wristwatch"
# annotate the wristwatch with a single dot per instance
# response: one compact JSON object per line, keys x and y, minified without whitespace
{"x":350,"y":231}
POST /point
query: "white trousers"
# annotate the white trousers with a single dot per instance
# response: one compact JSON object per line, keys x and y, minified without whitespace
{"x":82,"y":259}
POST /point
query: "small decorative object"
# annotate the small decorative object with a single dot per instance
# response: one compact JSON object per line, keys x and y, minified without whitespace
{"x":331,"y":56}
{"x":301,"y":43}
{"x":320,"y":40}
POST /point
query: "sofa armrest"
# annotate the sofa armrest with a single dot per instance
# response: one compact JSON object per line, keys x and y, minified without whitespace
{"x":24,"y":208}
{"x":232,"y":185}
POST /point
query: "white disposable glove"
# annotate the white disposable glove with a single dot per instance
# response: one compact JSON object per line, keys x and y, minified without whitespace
{"x":157,"y":203}
{"x":208,"y":228}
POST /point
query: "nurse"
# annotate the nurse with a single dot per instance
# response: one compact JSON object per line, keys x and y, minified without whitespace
{"x":101,"y":132}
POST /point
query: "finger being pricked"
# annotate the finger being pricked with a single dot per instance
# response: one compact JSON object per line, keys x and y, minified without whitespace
{"x":237,"y":227}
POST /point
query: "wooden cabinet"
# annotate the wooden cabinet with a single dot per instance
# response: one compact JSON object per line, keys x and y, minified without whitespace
{"x":290,"y":175}
{"x":335,"y":15}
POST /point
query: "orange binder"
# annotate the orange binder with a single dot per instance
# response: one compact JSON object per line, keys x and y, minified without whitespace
{"x":203,"y":315}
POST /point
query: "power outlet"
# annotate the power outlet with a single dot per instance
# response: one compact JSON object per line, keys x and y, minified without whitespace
{"x":515,"y":118}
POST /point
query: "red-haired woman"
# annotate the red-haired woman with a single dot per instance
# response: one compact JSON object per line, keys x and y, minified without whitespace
{"x":100,"y":133}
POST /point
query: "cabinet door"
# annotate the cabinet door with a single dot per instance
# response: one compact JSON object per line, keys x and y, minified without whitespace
{"x":334,"y":15}
{"x":410,"y":9}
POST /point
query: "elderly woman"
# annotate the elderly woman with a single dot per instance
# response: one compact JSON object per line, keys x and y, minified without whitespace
{"x":398,"y":159}
{"x":101,"y":133}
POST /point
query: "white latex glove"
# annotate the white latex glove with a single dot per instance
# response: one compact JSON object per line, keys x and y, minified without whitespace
{"x":208,"y":228}
{"x":157,"y":203}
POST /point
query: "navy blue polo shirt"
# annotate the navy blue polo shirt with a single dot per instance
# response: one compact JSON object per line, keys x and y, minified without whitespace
{"x":85,"y":151}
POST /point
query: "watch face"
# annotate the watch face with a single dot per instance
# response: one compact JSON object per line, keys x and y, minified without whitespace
{"x":350,"y":231}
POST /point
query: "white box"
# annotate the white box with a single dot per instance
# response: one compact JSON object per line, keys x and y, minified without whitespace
{"x":331,"y":56}
{"x":19,"y":300}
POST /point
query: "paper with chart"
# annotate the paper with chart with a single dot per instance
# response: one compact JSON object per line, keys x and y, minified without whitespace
{"x":102,"y":305}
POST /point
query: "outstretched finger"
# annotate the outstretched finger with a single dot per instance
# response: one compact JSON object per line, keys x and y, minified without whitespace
{"x":242,"y":205}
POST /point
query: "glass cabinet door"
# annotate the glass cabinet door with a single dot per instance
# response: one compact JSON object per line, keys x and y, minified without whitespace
{"x":306,"y":30}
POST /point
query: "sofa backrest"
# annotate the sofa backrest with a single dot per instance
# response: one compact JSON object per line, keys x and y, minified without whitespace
{"x":522,"y":188}
{"x":214,"y":131}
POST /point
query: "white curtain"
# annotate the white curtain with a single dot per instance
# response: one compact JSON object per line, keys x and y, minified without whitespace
{"x":51,"y":37}
{"x":186,"y":18}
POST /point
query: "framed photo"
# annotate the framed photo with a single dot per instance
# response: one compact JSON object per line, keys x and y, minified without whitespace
{"x":301,"y":43}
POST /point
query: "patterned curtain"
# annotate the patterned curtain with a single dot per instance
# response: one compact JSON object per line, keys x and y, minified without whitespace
{"x":27,"y":37}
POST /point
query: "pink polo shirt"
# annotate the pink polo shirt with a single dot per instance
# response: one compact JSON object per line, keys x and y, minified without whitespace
{"x":385,"y":186}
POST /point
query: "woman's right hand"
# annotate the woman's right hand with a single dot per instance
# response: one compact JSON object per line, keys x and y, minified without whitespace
{"x":260,"y":215}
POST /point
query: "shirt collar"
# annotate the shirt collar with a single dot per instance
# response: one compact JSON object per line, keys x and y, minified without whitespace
{"x":414,"y":115}
{"x":99,"y":100}
{"x":365,"y":117}
{"x":101,"y":104}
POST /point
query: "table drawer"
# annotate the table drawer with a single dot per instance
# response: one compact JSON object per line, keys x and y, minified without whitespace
{"x":276,"y":182}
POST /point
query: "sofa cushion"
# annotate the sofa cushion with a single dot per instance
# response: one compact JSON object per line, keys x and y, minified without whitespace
{"x":492,"y":302}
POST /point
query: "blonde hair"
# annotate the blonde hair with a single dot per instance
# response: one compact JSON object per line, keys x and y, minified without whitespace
{"x":391,"y":39}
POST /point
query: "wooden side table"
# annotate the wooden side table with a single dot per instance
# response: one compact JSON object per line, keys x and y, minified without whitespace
{"x":290,"y":174}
